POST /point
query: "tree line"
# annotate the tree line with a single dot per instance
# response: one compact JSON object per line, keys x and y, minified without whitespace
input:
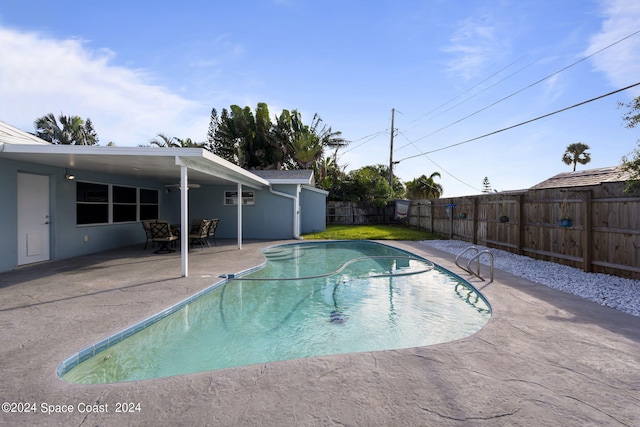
{"x":252,"y":140}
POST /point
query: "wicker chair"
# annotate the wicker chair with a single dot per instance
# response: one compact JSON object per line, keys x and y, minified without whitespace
{"x":199,"y":232}
{"x":212,"y":230}
{"x":161,"y":233}
{"x":146,"y":224}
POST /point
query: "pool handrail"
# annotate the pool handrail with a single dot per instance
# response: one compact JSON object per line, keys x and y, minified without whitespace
{"x":476,"y":257}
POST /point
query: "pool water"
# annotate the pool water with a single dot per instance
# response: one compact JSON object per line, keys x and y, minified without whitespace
{"x":309,"y":299}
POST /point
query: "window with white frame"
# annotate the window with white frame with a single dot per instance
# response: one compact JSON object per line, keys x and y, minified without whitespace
{"x":231,"y":198}
{"x":109,"y":204}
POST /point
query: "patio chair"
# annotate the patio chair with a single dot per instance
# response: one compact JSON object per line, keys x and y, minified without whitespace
{"x":147,"y":232}
{"x":212,"y":230}
{"x":199,"y":232}
{"x":161,"y":233}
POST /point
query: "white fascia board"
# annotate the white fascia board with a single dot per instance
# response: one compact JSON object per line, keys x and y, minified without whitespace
{"x":289,"y":181}
{"x":317,"y":190}
{"x":235,"y":169}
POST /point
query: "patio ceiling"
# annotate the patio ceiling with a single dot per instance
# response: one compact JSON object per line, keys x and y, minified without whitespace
{"x":159,"y":164}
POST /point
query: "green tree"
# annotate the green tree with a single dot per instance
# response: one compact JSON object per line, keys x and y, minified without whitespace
{"x":306,"y":149}
{"x":72,"y":130}
{"x":253,"y":141}
{"x":425,"y":187}
{"x":327,"y":174}
{"x":632,"y":116}
{"x":631,"y":162}
{"x":246,"y":138}
{"x":371,"y":183}
{"x":576,"y":153}
{"x":164,"y":141}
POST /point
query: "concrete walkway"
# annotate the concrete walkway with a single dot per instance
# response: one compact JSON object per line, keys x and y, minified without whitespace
{"x":545,"y":358}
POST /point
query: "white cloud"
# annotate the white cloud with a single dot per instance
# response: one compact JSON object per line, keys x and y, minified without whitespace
{"x":619,"y":63}
{"x":473,"y":45}
{"x":40,"y":76}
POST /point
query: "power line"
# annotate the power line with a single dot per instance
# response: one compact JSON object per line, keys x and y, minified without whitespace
{"x":469,"y":90}
{"x":370,"y":137}
{"x":529,"y":86}
{"x":470,"y":98}
{"x":374,"y":135}
{"x":523,"y":123}
{"x":443,"y":169}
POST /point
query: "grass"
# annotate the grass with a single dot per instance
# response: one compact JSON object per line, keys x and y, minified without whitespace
{"x":370,"y":232}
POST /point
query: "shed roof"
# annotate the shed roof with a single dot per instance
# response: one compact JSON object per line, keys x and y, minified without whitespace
{"x":298,"y":176}
{"x":584,"y":178}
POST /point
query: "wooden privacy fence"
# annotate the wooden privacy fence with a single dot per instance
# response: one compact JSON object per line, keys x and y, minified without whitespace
{"x":600,"y":233}
{"x":357,"y":213}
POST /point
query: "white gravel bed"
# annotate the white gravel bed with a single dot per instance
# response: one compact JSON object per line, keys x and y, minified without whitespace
{"x":611,"y":291}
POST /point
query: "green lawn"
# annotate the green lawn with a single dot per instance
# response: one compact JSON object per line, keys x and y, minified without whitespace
{"x":370,"y":232}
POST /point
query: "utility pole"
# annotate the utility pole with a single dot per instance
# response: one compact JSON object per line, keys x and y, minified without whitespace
{"x":393,"y":112}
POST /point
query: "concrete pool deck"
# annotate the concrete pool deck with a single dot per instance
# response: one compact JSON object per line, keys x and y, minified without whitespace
{"x":545,"y":358}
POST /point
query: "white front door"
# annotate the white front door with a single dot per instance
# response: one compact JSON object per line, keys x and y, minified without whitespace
{"x":33,"y":218}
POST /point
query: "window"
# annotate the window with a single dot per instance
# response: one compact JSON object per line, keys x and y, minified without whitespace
{"x":92,"y":203}
{"x":107,"y":204}
{"x":148,"y":204}
{"x":231,"y":198}
{"x":125,"y":204}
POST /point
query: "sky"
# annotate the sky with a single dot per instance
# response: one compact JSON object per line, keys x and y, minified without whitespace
{"x":460,"y":76}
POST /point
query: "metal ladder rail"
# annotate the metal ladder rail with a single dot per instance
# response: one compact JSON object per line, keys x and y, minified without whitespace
{"x":476,"y":257}
{"x":467,"y":269}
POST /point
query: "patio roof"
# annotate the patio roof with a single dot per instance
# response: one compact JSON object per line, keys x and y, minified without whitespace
{"x":160,"y":164}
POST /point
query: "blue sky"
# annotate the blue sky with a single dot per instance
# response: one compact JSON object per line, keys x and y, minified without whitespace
{"x":452,"y":70}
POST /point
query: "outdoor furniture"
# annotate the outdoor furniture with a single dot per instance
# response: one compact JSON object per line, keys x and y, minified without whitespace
{"x":212,"y":230}
{"x":199,"y":232}
{"x":161,"y":233}
{"x":147,"y":232}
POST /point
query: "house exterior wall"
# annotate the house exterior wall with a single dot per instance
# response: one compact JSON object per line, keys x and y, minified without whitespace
{"x":67,"y":238}
{"x":313,"y":207}
{"x":271,"y":217}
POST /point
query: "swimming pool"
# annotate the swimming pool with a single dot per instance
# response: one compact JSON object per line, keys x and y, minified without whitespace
{"x":307,"y":299}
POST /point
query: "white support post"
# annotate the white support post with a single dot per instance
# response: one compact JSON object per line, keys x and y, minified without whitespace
{"x":239,"y":216}
{"x":184,"y":219}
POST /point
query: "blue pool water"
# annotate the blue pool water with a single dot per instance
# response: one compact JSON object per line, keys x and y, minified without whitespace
{"x":309,"y":299}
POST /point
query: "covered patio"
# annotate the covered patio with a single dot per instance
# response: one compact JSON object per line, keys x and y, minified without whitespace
{"x":544,"y":358}
{"x":176,"y":167}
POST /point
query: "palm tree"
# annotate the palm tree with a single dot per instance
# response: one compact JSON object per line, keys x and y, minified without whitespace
{"x":188,"y":143}
{"x":306,"y":149}
{"x":328,"y":138}
{"x":576,"y":153}
{"x":72,"y":130}
{"x":425,"y":187}
{"x":164,"y":141}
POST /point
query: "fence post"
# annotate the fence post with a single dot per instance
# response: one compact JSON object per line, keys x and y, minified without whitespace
{"x":521,"y":220}
{"x":474,"y":222}
{"x":587,"y":235}
{"x":431,"y":215}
